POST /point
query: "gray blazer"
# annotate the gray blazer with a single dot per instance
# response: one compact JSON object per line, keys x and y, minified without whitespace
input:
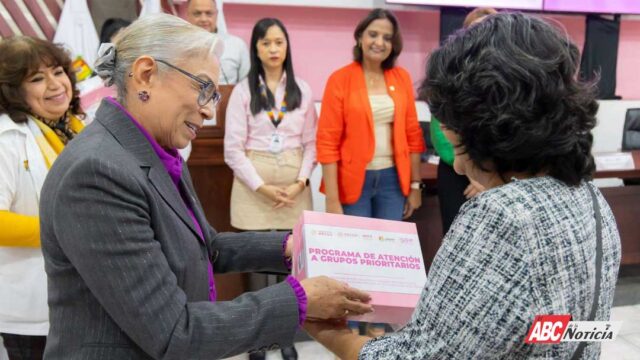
{"x":127,"y":272}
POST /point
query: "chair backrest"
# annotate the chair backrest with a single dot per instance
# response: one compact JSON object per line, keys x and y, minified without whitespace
{"x":426,"y":133}
{"x":221,"y":114}
{"x":631,"y":132}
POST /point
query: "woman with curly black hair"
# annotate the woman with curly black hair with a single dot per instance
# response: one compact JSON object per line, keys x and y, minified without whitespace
{"x":541,"y":235}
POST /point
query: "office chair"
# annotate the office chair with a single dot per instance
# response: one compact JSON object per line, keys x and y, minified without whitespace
{"x":631,"y":136}
{"x":631,"y":132}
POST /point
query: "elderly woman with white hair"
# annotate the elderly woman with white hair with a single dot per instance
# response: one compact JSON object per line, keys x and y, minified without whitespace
{"x":128,"y":251}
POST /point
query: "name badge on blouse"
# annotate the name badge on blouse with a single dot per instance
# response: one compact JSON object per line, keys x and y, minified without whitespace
{"x":277,"y":143}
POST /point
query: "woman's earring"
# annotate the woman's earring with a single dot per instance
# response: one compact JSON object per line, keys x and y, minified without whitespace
{"x":143,"y":95}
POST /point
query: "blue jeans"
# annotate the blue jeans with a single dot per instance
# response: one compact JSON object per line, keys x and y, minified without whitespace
{"x":381,"y":196}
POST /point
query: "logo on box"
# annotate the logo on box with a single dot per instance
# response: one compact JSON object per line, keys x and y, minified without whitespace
{"x":381,"y":257}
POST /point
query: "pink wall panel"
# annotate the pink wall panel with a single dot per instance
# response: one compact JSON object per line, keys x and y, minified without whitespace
{"x":421,"y":35}
{"x":573,"y":25}
{"x":596,"y":6}
{"x":322,"y":38}
{"x":628,"y":82}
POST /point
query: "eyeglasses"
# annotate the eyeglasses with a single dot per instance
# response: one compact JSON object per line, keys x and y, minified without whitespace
{"x":208,"y":90}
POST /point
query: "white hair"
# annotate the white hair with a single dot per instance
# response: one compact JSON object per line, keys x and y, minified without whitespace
{"x":161,"y":36}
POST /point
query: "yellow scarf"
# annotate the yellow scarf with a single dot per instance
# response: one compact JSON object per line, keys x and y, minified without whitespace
{"x":49,"y":142}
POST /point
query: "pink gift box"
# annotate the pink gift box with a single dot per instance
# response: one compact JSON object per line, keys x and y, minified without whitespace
{"x":381,"y":257}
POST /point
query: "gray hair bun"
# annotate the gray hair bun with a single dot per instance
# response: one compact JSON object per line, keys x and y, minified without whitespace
{"x":106,"y":63}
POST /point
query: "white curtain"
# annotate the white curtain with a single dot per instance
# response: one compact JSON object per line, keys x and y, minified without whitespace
{"x":150,"y":7}
{"x":222,"y":24}
{"x":77,"y":31}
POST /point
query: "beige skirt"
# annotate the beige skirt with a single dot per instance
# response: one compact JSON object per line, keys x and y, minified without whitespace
{"x":252,"y":211}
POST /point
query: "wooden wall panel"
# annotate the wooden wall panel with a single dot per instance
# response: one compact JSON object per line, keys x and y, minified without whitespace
{"x":625,"y":205}
{"x":429,"y":224}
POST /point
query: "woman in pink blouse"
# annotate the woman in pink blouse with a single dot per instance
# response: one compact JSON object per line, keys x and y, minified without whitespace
{"x":270,"y":142}
{"x":269,"y":139}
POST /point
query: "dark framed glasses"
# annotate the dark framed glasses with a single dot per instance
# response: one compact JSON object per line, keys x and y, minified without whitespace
{"x":208,"y":90}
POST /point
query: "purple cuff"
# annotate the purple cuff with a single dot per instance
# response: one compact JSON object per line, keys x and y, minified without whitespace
{"x":287,"y":260}
{"x":302,"y":298}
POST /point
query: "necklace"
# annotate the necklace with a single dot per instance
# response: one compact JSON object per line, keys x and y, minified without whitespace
{"x":373,"y":79}
{"x":60,"y":127}
{"x":283,"y":107}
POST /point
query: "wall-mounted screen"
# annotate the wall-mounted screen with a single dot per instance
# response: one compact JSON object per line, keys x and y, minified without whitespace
{"x":502,"y":4}
{"x":594,"y":6}
{"x":582,"y":6}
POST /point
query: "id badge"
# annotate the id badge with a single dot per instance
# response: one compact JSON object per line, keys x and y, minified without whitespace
{"x":277,"y":142}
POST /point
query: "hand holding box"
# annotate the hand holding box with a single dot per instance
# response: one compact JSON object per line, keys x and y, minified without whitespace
{"x":381,"y":257}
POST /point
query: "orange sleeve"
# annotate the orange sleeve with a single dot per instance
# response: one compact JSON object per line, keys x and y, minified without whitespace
{"x":415,"y":139}
{"x":331,"y":122}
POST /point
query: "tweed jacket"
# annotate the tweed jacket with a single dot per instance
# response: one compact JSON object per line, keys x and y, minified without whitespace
{"x":513,"y":252}
{"x":127,"y":272}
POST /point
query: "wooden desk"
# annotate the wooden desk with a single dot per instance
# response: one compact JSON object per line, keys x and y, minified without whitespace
{"x":429,"y":172}
{"x":624,"y":202}
{"x":623,"y":174}
{"x":625,"y":205}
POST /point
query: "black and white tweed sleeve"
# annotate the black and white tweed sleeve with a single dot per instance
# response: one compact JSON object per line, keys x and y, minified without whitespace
{"x":478,"y":297}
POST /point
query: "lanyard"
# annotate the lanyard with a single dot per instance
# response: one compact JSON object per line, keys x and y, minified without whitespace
{"x":283,"y":108}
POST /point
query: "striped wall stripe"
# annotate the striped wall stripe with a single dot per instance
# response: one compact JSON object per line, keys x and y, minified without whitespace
{"x":43,"y":16}
{"x":30,"y":20}
{"x":27,"y":17}
{"x":10,"y":27}
{"x":19,"y":18}
{"x":55,"y":7}
{"x":39,"y":18}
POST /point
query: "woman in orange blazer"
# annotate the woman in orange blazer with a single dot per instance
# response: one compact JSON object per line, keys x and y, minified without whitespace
{"x":368,"y":138}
